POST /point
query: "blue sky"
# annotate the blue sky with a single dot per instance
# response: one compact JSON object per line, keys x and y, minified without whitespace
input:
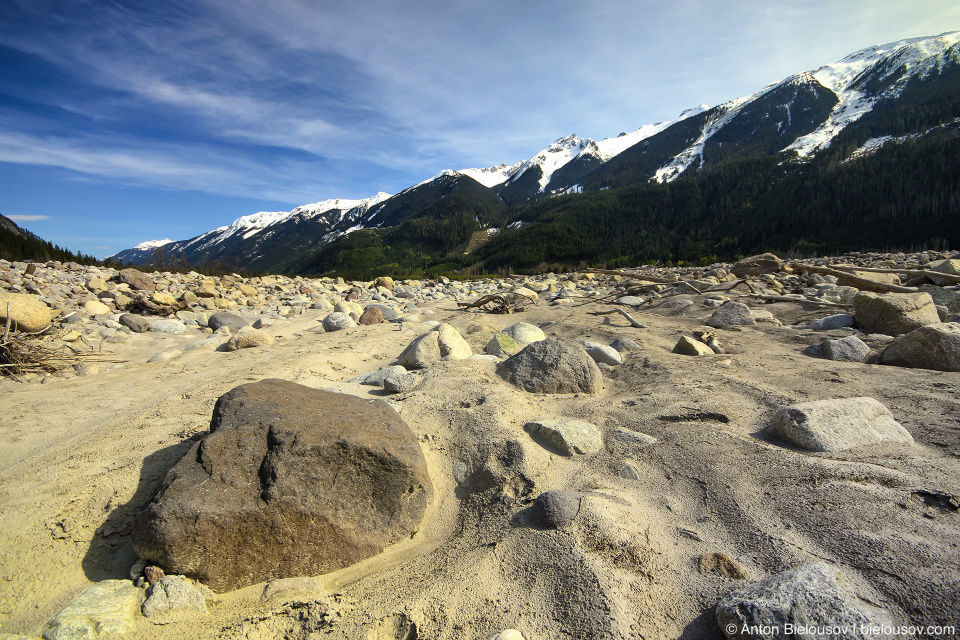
{"x":130,"y":120}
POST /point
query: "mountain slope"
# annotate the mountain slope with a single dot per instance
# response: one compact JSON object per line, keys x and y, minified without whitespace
{"x":842,"y":111}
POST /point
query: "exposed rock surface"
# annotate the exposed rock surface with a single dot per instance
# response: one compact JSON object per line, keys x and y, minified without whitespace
{"x":935,"y":346}
{"x":731,"y":314}
{"x":290,"y":481}
{"x":172,"y":598}
{"x":568,"y":436}
{"x":894,"y":313}
{"x":813,"y":595}
{"x":552,"y":366}
{"x":836,"y":425}
{"x":106,"y":609}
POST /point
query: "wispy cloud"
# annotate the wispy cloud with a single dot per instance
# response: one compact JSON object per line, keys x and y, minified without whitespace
{"x":27,"y":218}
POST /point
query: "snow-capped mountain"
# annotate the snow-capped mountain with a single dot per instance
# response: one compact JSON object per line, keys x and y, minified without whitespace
{"x":793,"y":119}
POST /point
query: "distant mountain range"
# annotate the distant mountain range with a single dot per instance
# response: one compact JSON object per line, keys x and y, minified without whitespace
{"x":893,"y":94}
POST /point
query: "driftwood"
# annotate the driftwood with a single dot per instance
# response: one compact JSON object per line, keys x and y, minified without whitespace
{"x":908,"y":272}
{"x":634,"y":276}
{"x":819,"y":303}
{"x":493,"y":303}
{"x":142,"y":303}
{"x":862,"y":283}
{"x":633,"y":321}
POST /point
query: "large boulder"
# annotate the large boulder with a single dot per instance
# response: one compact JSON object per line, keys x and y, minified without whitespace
{"x":935,"y":346}
{"x":525,"y":333}
{"x":731,"y":314}
{"x":137,"y":280}
{"x":443,"y":343}
{"x":757,"y":265}
{"x":25,"y":312}
{"x":552,"y":366}
{"x":894,"y":313}
{"x":836,"y":425}
{"x":248,"y":337}
{"x":226,"y":319}
{"x":290,"y":481}
{"x":813,"y":596}
{"x":951,"y":267}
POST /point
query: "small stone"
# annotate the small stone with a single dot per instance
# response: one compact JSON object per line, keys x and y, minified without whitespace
{"x":837,"y":425}
{"x":556,"y":509}
{"x":163,"y":355}
{"x":568,"y":436}
{"x":633,"y":437}
{"x":137,"y":569}
{"x":692,"y":347}
{"x":371,"y":315}
{"x":163,"y":299}
{"x":626,"y":345}
{"x":631,"y":301}
{"x":629,"y":472}
{"x":508,"y":634}
{"x":502,"y":345}
{"x":400,"y":382}
{"x":137,"y":324}
{"x":152,"y":573}
{"x":95,"y":307}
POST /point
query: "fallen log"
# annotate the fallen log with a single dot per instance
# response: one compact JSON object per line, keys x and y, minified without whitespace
{"x":633,"y":321}
{"x":862,"y":283}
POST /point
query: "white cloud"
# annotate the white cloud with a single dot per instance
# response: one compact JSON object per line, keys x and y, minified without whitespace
{"x":27,"y":218}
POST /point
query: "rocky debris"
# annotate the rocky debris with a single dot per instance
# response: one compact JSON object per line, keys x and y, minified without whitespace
{"x":552,"y":366}
{"x":601,"y":353}
{"x":337,"y":321}
{"x":894,"y":313}
{"x":442,"y":343}
{"x":836,"y":321}
{"x":137,"y":324}
{"x":136,"y":280}
{"x":569,"y":437}
{"x":731,"y":314}
{"x":849,"y":349}
{"x":502,"y":345}
{"x":106,"y":609}
{"x":231,"y":321}
{"x":371,"y":315}
{"x":556,"y":509}
{"x":290,"y":481}
{"x":692,"y":347}
{"x":172,"y":598}
{"x":25,"y":312}
{"x":934,"y":346}
{"x":248,"y":337}
{"x":757,"y":265}
{"x":837,"y":424}
{"x":525,"y":333}
{"x":813,"y":595}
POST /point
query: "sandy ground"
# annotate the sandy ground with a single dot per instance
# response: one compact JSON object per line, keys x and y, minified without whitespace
{"x":80,"y":456}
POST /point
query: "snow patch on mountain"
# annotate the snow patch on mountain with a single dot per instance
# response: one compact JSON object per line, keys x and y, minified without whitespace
{"x":491,"y":176}
{"x":610,"y":147}
{"x":152,"y":244}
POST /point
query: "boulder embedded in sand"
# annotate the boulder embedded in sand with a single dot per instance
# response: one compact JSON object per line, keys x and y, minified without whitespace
{"x":813,"y":595}
{"x":290,"y":481}
{"x":601,"y":353}
{"x":26,"y":313}
{"x":108,"y":608}
{"x":248,"y":337}
{"x":552,"y":366}
{"x":836,"y":425}
{"x":894,"y":313}
{"x":556,"y":509}
{"x":935,"y":346}
{"x":442,"y":343}
{"x":848,"y":349}
{"x":525,"y":333}
{"x":568,"y":436}
{"x":337,"y":321}
{"x":691,"y":347}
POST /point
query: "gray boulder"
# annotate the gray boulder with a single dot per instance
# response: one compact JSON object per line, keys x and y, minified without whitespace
{"x":226,"y":319}
{"x":949,"y":266}
{"x":552,"y":366}
{"x":290,"y":481}
{"x":137,"y":324}
{"x":525,"y":333}
{"x":400,"y":382}
{"x":836,"y":321}
{"x":173,"y":327}
{"x":894,"y":313}
{"x":935,"y":346}
{"x":602,"y":354}
{"x":442,"y":343}
{"x":556,"y":509}
{"x":626,"y":345}
{"x":850,"y":349}
{"x":376,"y":378}
{"x":814,"y":595}
{"x":137,"y":280}
{"x":172,"y":598}
{"x":337,"y":321}
{"x":757,"y":265}
{"x":836,"y":425}
{"x":731,"y":314}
